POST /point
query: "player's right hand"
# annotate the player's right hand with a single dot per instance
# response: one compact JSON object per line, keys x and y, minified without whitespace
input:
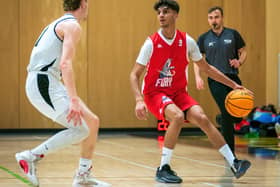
{"x":199,"y":83}
{"x":141,"y":111}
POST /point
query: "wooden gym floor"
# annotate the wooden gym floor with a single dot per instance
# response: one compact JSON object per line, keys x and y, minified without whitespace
{"x":130,"y":160}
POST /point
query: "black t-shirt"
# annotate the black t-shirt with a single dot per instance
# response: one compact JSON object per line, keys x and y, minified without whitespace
{"x":220,"y":49}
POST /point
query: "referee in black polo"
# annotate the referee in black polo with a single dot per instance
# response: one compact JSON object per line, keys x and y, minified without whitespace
{"x":223,"y":48}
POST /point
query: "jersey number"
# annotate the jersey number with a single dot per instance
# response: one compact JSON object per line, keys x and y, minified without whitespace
{"x":41,"y":35}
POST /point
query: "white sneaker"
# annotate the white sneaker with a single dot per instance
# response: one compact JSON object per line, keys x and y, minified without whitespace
{"x":85,"y":179}
{"x":27,"y":163}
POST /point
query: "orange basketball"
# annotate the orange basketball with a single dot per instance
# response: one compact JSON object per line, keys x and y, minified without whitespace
{"x":239,"y":103}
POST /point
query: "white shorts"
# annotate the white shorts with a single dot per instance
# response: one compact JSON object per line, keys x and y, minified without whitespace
{"x":47,"y":94}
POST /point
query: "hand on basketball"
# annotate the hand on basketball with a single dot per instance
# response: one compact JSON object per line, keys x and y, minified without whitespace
{"x":75,"y":112}
{"x":237,"y":86}
{"x":249,"y":92}
{"x":141,"y":110}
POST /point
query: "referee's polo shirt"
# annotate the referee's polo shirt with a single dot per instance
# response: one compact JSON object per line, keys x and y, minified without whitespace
{"x":220,"y":49}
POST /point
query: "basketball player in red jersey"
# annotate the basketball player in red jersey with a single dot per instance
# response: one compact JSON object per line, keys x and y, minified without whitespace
{"x":165,"y":57}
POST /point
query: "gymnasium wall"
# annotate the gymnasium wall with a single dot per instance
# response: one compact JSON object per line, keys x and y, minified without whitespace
{"x":112,"y":37}
{"x":272,"y":50}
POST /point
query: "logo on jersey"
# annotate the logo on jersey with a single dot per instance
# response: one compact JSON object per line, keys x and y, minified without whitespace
{"x":180,"y":43}
{"x":227,"y":41}
{"x":166,"y":75}
{"x":159,"y":46}
{"x":211,"y":44}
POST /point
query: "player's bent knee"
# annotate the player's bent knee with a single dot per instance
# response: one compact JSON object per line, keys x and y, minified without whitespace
{"x":203,"y":119}
{"x":178,"y":118}
{"x":94,"y":122}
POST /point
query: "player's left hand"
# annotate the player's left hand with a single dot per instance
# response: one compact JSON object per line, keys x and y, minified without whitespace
{"x":237,"y":86}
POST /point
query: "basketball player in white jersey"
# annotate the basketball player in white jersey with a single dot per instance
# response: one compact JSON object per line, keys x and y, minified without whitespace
{"x":51,"y":60}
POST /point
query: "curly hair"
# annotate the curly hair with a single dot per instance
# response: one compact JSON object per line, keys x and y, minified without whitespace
{"x":71,"y":5}
{"x":169,"y":3}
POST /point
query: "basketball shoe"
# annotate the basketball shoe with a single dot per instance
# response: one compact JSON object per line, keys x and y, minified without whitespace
{"x":240,"y":167}
{"x":86,"y":179}
{"x":166,"y":175}
{"x":27,"y":162}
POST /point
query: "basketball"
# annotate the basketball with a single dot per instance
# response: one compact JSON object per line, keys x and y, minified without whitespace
{"x":239,"y":103}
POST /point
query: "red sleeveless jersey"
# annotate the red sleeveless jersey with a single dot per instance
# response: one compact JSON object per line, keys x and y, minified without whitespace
{"x":166,"y":70}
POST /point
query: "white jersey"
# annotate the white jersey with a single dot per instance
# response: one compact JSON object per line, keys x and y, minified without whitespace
{"x":43,"y":86}
{"x":146,"y":51}
{"x":47,"y":51}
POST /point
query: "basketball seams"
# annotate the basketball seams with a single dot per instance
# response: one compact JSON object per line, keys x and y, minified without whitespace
{"x":238,"y":106}
{"x":235,"y":101}
{"x":241,"y":98}
{"x":227,"y":104}
{"x":230,"y":111}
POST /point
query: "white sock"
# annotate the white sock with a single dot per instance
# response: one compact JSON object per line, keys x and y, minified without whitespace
{"x":166,"y":156}
{"x":84,"y":165}
{"x":227,"y":153}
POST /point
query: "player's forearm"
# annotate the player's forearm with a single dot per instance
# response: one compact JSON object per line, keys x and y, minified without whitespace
{"x":196,"y":71}
{"x":134,"y":82}
{"x":215,"y":74}
{"x":242,"y":57}
{"x":68,"y":78}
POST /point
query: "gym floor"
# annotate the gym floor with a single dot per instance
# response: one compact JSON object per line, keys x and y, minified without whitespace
{"x":130,"y":159}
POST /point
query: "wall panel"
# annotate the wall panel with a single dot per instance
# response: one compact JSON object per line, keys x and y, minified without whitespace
{"x":114,"y":42}
{"x":253,"y":27}
{"x":9,"y":62}
{"x":112,"y":37}
{"x":272,"y":50}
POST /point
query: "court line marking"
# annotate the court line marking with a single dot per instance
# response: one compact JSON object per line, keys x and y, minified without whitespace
{"x":209,"y":184}
{"x":17,"y":176}
{"x":124,"y":160}
{"x":174,"y":156}
{"x":140,"y":165}
{"x":148,"y":167}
